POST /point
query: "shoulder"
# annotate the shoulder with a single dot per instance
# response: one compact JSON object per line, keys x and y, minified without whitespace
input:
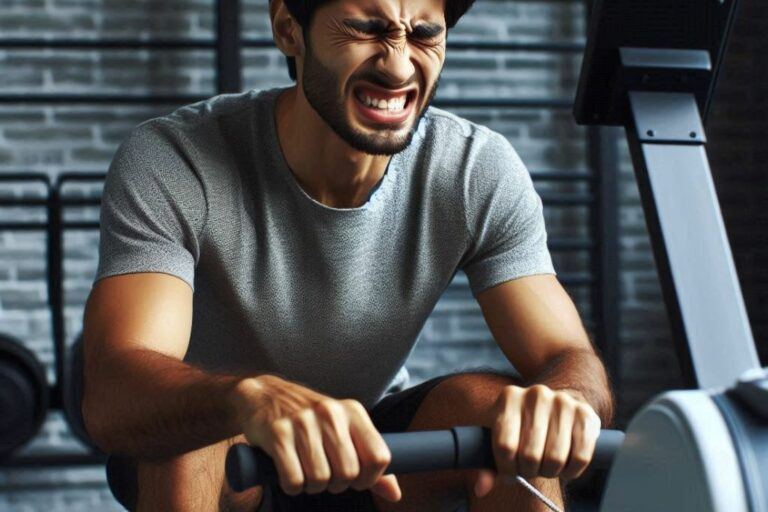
{"x":209,"y":113}
{"x":448,"y":125}
{"x":467,"y":150}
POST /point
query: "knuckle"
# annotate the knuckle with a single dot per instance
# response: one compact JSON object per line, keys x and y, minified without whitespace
{"x":292,"y":485}
{"x":279,"y":428}
{"x":587,"y":413}
{"x":303,"y":421}
{"x":328,"y":407}
{"x":318,"y":480}
{"x":508,"y":449}
{"x":529,"y":458}
{"x":346,"y":475}
{"x":580,"y":459}
{"x":381,"y":458}
{"x":511,"y":391}
{"x":353,"y":406}
{"x":556,"y":461}
{"x":563,"y":400}
{"x":543,"y":393}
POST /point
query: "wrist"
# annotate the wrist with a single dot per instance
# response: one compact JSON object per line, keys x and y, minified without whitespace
{"x":245,"y":398}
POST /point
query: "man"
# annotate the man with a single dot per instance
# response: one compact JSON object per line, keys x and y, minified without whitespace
{"x":318,"y":225}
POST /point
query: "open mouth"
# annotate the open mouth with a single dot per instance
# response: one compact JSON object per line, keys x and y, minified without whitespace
{"x":384,"y":106}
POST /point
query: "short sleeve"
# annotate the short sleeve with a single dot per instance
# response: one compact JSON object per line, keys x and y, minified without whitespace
{"x":504,"y":217}
{"x":153,"y":208}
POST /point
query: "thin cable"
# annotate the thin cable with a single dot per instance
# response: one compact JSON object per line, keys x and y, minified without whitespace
{"x":538,"y":494}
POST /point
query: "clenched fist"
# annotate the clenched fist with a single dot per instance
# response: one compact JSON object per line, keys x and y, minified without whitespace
{"x":317,"y":442}
{"x":538,"y":432}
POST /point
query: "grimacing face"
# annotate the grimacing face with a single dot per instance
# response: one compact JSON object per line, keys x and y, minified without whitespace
{"x":372,"y":67}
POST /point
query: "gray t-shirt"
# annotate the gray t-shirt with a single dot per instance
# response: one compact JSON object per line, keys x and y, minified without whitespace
{"x":333,"y":298}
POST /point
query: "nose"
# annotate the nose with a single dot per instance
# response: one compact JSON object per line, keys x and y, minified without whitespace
{"x":395,"y":63}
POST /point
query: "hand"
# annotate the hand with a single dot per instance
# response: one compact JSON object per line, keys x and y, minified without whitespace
{"x":540,"y":432}
{"x":317,"y":443}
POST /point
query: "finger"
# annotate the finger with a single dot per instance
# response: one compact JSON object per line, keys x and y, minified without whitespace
{"x":559,"y":436}
{"x":506,"y":431}
{"x":388,"y":488}
{"x":281,"y":447}
{"x":586,"y":430}
{"x":484,"y":482}
{"x":535,"y":425}
{"x":339,"y":448}
{"x":309,"y":446}
{"x":372,"y":452}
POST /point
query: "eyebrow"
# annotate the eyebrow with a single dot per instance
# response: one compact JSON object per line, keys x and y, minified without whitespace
{"x":379,"y":26}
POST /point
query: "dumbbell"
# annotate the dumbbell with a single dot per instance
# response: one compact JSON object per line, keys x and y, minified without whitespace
{"x":72,"y":398}
{"x":23,"y":394}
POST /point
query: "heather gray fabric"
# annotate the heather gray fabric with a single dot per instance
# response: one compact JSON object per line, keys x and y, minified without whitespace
{"x":331,"y":298}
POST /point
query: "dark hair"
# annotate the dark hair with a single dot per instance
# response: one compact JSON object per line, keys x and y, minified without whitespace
{"x":302,"y":11}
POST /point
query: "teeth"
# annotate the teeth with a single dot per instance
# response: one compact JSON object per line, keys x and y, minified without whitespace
{"x":393,"y":105}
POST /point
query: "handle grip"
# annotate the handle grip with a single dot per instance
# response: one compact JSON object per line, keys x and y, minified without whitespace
{"x":427,"y":450}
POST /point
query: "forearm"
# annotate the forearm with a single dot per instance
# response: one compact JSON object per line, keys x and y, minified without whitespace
{"x":147,"y":405}
{"x":582,"y":372}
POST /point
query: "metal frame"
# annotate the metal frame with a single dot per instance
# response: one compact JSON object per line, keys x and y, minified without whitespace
{"x":706,"y":308}
{"x":601,"y":177}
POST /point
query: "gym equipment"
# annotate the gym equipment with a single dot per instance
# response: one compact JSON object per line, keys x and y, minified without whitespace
{"x":651,"y":66}
{"x":72,"y":397}
{"x":23,"y":395}
{"x":467,"y":447}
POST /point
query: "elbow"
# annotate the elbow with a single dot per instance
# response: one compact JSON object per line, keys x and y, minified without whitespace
{"x":94,"y":423}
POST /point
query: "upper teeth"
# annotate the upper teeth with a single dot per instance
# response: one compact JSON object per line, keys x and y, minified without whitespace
{"x":393,"y":104}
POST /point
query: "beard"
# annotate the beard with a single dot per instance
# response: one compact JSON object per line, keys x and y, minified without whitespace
{"x":320,"y":86}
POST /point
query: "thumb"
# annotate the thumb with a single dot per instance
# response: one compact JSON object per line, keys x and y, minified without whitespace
{"x":484,"y":482}
{"x":388,"y":488}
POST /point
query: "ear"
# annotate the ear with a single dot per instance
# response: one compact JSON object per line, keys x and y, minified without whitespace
{"x":286,"y":31}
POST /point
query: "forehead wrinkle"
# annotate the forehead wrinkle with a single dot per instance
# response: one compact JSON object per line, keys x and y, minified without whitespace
{"x":403,"y":15}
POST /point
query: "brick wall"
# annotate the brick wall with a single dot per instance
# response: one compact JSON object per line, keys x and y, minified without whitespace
{"x":59,"y":138}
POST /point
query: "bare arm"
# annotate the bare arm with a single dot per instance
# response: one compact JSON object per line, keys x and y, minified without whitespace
{"x":538,"y":328}
{"x":140,"y":398}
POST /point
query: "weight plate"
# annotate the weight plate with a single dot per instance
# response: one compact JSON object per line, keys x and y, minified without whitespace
{"x":23,"y":394}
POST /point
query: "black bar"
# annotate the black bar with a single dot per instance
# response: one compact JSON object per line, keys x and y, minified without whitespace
{"x":6,"y":202}
{"x":55,"y":256}
{"x":107,"y":44}
{"x":606,"y":296}
{"x":23,"y":226}
{"x":23,"y":176}
{"x":97,"y":99}
{"x":228,"y":45}
{"x":464,"y":447}
{"x":62,"y":178}
{"x":60,"y":460}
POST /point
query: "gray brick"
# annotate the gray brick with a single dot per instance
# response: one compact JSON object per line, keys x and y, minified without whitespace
{"x":91,"y":154}
{"x":14,"y":23}
{"x":22,"y":299}
{"x":46,"y":134}
{"x":31,"y":271}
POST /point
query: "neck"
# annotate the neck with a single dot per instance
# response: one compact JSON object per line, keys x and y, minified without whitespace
{"x":326,"y":167}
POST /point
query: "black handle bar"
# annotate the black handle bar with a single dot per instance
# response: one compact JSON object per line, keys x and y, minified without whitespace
{"x":427,"y":450}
